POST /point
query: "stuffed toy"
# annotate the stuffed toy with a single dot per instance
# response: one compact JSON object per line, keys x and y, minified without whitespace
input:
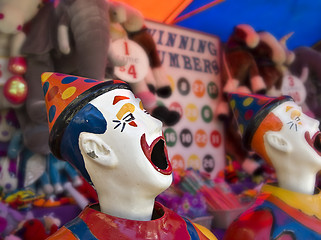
{"x":240,"y":73}
{"x":117,"y":15}
{"x":37,"y":229}
{"x":240,"y":70}
{"x":138,"y":32}
{"x":289,"y":54}
{"x":306,"y":57}
{"x":55,"y":175}
{"x":10,"y":147}
{"x":14,"y":15}
{"x":10,"y":218}
{"x":61,"y":172}
{"x":294,"y":86}
{"x":270,"y":57}
{"x":15,"y":19}
{"x":67,"y":36}
{"x":273,"y":59}
{"x":132,"y":21}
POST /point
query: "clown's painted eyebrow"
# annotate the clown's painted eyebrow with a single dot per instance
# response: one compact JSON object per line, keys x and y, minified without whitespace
{"x":119,"y":98}
{"x":288,"y":108}
{"x":127,"y":107}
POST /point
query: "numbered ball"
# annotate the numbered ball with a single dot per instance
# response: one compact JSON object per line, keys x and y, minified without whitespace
{"x":15,"y":90}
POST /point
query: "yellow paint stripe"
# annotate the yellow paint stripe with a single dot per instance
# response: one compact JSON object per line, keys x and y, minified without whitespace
{"x":128,"y":107}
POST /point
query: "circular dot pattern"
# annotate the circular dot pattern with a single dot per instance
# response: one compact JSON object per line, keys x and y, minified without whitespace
{"x":52,"y":113}
{"x":52,"y":93}
{"x":248,"y":114}
{"x":247,"y":101}
{"x":45,"y":88}
{"x":198,"y":88}
{"x":232,"y":104}
{"x":89,"y":80}
{"x":68,"y":92}
{"x":194,"y":162}
{"x":45,"y":76}
{"x":69,"y":79}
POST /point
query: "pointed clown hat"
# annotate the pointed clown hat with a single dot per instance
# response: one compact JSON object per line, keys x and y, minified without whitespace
{"x":250,"y":110}
{"x":65,"y":95}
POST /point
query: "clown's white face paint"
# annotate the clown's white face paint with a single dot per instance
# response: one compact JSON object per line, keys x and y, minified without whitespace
{"x":296,"y":151}
{"x":142,"y":169}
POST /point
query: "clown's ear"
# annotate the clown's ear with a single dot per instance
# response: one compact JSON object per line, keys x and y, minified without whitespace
{"x":95,"y":149}
{"x":278,"y":142}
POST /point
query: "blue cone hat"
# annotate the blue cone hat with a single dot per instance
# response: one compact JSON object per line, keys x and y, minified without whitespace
{"x":249,"y":111}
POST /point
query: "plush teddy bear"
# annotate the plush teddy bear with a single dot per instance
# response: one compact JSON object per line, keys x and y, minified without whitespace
{"x":270,"y":57}
{"x":240,"y":69}
{"x":240,"y":73}
{"x":128,"y":22}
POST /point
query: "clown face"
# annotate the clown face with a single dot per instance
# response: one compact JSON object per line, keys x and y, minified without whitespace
{"x":301,"y":135}
{"x":136,"y":139}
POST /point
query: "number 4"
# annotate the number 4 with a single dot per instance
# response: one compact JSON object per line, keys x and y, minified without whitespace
{"x":132,"y":71}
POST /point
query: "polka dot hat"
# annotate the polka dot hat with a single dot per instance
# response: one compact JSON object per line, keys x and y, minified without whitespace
{"x":65,"y":95}
{"x":249,"y":111}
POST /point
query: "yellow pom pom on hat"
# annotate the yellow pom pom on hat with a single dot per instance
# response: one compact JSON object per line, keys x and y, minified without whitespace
{"x":65,"y":95}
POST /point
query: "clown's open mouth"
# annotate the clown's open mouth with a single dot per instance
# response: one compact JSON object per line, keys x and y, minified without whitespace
{"x":314,"y":142}
{"x":156,"y":153}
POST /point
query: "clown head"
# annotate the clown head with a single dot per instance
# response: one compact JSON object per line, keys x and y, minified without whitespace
{"x":278,"y":130}
{"x":104,"y":131}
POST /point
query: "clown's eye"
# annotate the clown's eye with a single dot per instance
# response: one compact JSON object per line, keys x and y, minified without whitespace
{"x":129,"y":117}
{"x":293,"y":125}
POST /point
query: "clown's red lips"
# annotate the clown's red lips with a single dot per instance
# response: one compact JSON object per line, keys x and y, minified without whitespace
{"x":314,"y":142}
{"x":157,"y":155}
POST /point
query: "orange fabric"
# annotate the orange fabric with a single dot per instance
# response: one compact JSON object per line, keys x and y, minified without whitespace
{"x":161,"y":11}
